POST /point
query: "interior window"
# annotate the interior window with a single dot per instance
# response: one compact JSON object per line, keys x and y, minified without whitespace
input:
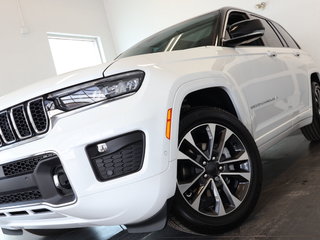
{"x":289,"y":40}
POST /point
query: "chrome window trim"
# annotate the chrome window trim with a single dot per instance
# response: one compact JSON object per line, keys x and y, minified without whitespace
{"x":14,"y":122}
{"x":10,"y":127}
{"x":31,"y":118}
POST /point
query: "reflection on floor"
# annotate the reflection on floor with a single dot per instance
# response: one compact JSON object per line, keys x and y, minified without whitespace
{"x":288,"y":207}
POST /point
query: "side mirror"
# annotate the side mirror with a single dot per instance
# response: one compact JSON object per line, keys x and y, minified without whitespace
{"x":244,"y":32}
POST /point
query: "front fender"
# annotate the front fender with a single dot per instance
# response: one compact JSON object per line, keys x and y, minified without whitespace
{"x":183,"y":90}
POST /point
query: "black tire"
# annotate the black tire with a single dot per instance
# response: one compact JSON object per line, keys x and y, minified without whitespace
{"x":49,"y":232}
{"x":312,"y":131}
{"x":184,"y":216}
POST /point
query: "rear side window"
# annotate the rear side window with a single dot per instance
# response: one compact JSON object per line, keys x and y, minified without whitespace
{"x":289,"y":40}
{"x":270,"y":38}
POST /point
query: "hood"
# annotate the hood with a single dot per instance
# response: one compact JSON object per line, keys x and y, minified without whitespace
{"x":169,"y":61}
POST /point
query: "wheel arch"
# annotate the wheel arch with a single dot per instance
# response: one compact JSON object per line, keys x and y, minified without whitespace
{"x":209,"y":97}
{"x":236,"y":103}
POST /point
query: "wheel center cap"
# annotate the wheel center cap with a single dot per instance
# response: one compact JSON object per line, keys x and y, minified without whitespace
{"x":212,"y":168}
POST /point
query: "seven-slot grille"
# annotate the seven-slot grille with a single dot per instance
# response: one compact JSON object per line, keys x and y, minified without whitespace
{"x":23,"y":121}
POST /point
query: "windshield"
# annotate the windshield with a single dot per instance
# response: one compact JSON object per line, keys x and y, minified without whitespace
{"x":196,"y":32}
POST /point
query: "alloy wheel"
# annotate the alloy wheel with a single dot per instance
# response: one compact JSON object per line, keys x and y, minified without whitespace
{"x":214,"y":170}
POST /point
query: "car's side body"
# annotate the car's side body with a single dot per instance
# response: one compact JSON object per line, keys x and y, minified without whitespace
{"x":267,"y":88}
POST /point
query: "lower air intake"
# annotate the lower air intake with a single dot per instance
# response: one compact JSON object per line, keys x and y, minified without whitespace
{"x":20,"y":197}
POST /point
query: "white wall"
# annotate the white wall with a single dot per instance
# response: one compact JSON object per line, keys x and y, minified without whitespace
{"x":133,"y":20}
{"x":27,"y":58}
{"x":120,"y":24}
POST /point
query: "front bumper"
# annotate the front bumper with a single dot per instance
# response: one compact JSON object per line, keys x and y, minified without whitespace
{"x":126,"y":200}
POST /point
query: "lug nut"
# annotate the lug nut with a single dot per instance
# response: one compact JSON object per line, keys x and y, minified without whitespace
{"x":204,"y":163}
{"x":189,"y":194}
{"x":205,"y":175}
{"x":217,"y":179}
{"x":220,"y":168}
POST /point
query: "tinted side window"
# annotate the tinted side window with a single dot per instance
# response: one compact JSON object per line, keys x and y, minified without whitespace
{"x":270,"y":38}
{"x":289,"y":40}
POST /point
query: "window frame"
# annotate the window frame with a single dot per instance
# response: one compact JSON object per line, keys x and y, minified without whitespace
{"x":273,"y":23}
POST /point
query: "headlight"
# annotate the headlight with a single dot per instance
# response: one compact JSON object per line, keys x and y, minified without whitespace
{"x":98,"y":90}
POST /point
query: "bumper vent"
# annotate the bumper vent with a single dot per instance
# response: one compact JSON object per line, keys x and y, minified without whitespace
{"x":30,"y":180}
{"x":124,"y":156}
{"x":24,"y":166}
{"x":20,"y":197}
{"x":122,"y":162}
{"x":23,"y":121}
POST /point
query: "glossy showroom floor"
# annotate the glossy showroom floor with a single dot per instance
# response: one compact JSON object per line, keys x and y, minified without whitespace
{"x":288,"y":208}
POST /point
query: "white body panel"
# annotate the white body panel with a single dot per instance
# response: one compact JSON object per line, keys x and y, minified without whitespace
{"x":271,"y":96}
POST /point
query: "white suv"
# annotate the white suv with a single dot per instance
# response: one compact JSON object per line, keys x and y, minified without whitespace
{"x":174,"y":123}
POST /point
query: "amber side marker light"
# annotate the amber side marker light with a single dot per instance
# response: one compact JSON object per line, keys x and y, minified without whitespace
{"x":168,"y":126}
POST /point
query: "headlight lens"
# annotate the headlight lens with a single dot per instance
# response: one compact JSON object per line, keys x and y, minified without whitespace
{"x":98,"y":90}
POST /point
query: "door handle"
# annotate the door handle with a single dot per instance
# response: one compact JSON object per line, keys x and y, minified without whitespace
{"x":297,"y":54}
{"x":272,"y":54}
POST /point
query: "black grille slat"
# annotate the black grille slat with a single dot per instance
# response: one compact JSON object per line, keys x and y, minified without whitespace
{"x":20,"y":197}
{"x":38,"y":115}
{"x":21,"y":123}
{"x":6,"y":128}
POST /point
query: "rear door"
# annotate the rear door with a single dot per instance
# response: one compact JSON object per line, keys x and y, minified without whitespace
{"x":298,"y":62}
{"x":266,"y":82}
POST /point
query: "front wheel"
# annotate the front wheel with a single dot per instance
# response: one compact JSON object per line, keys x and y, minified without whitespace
{"x":219,"y":172}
